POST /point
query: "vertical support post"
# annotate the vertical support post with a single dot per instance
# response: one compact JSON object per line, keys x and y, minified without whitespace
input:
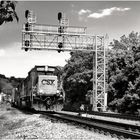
{"x":100,"y":74}
{"x":23,"y":38}
{"x":104,"y":104}
{"x":31,"y":40}
{"x":32,"y":85}
{"x":31,"y":35}
{"x":94,"y":97}
{"x":99,"y":87}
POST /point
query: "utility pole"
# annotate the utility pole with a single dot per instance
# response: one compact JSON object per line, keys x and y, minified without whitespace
{"x":63,"y":37}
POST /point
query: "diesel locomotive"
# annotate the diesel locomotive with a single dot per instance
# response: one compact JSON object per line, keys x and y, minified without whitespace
{"x":39,"y":90}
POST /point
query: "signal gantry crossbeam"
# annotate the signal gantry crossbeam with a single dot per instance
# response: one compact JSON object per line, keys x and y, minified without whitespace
{"x":63,"y":37}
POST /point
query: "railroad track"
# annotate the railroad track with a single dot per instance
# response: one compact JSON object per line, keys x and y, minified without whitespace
{"x":120,"y":130}
{"x":114,"y":115}
{"x":119,"y":116}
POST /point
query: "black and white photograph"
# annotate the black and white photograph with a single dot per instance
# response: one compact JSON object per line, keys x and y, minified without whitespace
{"x":69,"y":70}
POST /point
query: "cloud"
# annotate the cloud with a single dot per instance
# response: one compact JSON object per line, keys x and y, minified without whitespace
{"x":82,"y":12}
{"x":107,"y":12}
{"x":2,"y":52}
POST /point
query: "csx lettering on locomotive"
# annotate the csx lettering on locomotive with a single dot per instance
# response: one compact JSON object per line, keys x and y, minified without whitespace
{"x":47,"y":82}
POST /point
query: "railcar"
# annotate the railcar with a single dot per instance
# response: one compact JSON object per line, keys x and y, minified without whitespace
{"x":39,"y":90}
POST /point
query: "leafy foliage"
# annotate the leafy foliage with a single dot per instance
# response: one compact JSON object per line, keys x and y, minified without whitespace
{"x":77,"y":78}
{"x":7,"y":11}
{"x":9,"y":83}
{"x":124,"y":74}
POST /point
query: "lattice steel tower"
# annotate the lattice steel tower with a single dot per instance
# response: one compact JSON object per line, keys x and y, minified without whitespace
{"x":63,"y":37}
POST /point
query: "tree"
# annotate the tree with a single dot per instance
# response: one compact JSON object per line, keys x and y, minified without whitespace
{"x":124,"y":74}
{"x":77,"y":78}
{"x":7,"y":11}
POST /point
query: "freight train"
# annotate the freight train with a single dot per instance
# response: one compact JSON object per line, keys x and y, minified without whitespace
{"x":39,"y":90}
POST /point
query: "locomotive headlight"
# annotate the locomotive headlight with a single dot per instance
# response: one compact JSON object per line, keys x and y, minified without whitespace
{"x":57,"y":91}
{"x":41,"y":91}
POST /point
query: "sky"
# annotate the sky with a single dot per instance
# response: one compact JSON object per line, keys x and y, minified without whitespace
{"x":114,"y":18}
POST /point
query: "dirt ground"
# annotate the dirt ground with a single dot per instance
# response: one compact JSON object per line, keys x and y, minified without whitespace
{"x":9,"y":120}
{"x":15,"y":124}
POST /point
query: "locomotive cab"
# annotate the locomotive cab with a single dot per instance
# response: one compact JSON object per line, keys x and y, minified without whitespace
{"x":45,"y":87}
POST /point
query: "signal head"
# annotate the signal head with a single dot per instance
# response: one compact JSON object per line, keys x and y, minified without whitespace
{"x":60,"y":45}
{"x":59,"y":51}
{"x":26,"y":49}
{"x":27,"y":13}
{"x":59,"y":16}
{"x":27,"y":43}
{"x":27,"y":26}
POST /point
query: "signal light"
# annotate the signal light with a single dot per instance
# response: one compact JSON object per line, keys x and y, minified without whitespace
{"x":27,"y":43}
{"x":59,"y":16}
{"x":61,"y":29}
{"x":27,"y":26}
{"x":60,"y":46}
{"x":26,"y":49}
{"x":27,"y":13}
{"x":59,"y":51}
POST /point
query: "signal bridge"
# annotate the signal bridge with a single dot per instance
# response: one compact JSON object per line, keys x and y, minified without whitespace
{"x":63,"y":37}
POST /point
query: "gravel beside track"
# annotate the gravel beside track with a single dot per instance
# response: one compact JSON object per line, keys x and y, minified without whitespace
{"x":115,"y":128}
{"x":15,"y":124}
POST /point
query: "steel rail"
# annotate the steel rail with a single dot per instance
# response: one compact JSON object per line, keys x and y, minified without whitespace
{"x":112,"y":115}
{"x":107,"y":126}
